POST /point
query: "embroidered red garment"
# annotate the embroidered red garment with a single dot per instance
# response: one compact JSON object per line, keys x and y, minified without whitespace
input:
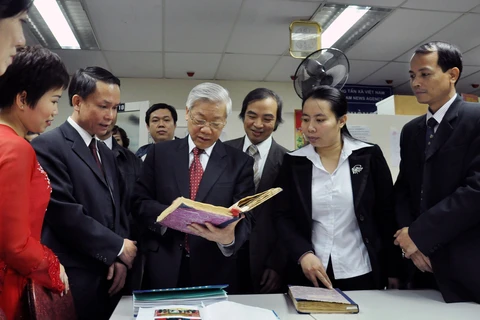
{"x":24,"y":196}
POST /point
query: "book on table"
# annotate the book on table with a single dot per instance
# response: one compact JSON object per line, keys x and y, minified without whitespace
{"x":320,"y":300}
{"x":183,"y":212}
{"x":190,"y":296}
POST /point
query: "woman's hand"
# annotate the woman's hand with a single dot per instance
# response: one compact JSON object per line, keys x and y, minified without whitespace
{"x":313,"y":269}
{"x":64,"y":278}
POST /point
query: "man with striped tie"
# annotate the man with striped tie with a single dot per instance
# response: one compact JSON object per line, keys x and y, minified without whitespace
{"x":202,"y":168}
{"x":261,"y":260}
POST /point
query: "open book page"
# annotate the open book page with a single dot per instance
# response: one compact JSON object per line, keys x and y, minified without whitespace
{"x":235,"y":311}
{"x":250,"y":202}
{"x":317,"y":294}
{"x":169,"y":312}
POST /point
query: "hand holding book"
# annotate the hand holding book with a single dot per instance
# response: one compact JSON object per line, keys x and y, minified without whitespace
{"x":184,"y":212}
{"x":224,"y":236}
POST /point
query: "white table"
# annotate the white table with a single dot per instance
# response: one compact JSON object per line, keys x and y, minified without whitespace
{"x":374,"y":305}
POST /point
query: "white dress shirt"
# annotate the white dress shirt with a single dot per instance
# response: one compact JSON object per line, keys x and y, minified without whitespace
{"x":108,"y":142}
{"x":440,"y":112}
{"x":263,"y":149}
{"x":87,"y":138}
{"x":336,"y":233}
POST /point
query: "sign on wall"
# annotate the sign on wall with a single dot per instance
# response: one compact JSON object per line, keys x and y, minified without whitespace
{"x":362,"y":99}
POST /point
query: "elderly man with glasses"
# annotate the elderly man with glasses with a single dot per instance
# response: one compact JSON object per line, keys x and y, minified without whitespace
{"x":202,"y":168}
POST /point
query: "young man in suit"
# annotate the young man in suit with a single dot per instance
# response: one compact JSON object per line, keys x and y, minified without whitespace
{"x":261,"y":261}
{"x":161,"y":121}
{"x":202,"y":168}
{"x":85,"y":224}
{"x":437,"y":189}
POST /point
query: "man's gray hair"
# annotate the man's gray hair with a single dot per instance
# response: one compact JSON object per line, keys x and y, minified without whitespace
{"x":210,"y":92}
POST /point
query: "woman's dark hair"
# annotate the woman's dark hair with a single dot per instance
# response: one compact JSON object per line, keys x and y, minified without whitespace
{"x":123,"y":135}
{"x":261,"y":94}
{"x":84,"y":81}
{"x":35,"y":70}
{"x":11,"y":8}
{"x":336,"y":98}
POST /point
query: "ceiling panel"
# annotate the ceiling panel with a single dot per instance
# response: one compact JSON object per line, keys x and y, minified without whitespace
{"x":380,"y":44}
{"x":261,"y":30}
{"x":122,"y":25}
{"x":245,"y":67}
{"x":477,"y":9}
{"x":283,"y":69}
{"x":378,"y":3}
{"x":203,"y":64}
{"x":76,"y":59}
{"x":472,"y":57}
{"x":135,"y":64}
{"x":200,"y":25}
{"x":360,"y":69}
{"x":29,"y":37}
{"x":457,"y":5}
{"x":396,"y":71}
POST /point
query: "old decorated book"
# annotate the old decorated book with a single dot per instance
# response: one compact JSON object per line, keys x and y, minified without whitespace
{"x":320,"y":300}
{"x":183,"y":212}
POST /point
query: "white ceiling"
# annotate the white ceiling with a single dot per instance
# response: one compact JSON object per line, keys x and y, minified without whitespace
{"x":249,"y":39}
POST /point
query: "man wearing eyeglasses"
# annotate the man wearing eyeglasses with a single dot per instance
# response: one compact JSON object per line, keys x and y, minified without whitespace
{"x":202,"y":168}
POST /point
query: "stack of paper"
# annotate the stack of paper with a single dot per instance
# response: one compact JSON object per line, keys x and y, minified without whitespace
{"x":192,"y":296}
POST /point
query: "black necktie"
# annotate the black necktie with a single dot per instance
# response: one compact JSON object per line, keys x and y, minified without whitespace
{"x":431,"y":123}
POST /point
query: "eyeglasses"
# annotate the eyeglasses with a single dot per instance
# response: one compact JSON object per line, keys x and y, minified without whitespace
{"x":202,"y":123}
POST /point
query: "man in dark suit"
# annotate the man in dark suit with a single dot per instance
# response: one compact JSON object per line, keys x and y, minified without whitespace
{"x":202,"y":168}
{"x":161,"y":121}
{"x":262,"y":260}
{"x":129,"y":167}
{"x":85,"y":224}
{"x":437,"y":189}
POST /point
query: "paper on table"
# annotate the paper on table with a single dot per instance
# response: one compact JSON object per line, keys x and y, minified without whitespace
{"x":235,"y":311}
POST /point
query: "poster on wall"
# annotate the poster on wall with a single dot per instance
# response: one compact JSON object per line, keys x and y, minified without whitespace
{"x":363,"y":99}
{"x":299,"y":139}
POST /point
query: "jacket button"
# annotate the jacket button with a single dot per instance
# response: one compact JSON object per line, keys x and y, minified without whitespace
{"x":361,"y":218}
{"x":366,"y":240}
{"x":104,"y":259}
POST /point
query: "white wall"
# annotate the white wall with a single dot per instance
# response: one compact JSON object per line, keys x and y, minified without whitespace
{"x":175,"y":92}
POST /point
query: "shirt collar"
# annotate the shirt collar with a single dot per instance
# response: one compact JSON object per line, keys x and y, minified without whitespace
{"x":108,"y":142}
{"x":192,"y":145}
{"x":440,"y":112}
{"x":349,"y":145}
{"x":263,"y":147}
{"x":87,"y":138}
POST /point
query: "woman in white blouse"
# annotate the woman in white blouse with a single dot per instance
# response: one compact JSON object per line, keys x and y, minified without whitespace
{"x":336,"y":213}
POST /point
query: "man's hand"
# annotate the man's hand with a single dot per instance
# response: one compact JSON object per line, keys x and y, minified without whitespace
{"x":313,"y":269}
{"x":224,"y":236}
{"x":270,"y":281}
{"x":129,"y":252}
{"x":421,"y":261}
{"x":117,"y":272}
{"x":403,"y":240}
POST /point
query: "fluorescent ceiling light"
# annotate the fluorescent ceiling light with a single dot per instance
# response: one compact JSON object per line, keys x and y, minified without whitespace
{"x":342,"y":24}
{"x":55,"y":20}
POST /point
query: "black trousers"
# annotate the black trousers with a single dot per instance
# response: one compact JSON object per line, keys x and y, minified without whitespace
{"x":89,"y":289}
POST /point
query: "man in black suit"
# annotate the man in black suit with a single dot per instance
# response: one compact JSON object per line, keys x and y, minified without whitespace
{"x":129,"y":167}
{"x":262,"y":260}
{"x":85,"y":224}
{"x":161,"y":121}
{"x":437,"y":189}
{"x":202,"y":168}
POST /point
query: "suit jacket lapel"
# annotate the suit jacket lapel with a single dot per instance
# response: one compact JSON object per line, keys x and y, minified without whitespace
{"x":214,"y":170}
{"x":108,"y":167}
{"x":359,"y":171}
{"x":444,"y":129}
{"x":181,"y":168}
{"x":302,"y":178}
{"x":81,"y":149}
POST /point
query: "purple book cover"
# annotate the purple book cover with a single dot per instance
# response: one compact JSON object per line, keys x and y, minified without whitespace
{"x":185,"y":215}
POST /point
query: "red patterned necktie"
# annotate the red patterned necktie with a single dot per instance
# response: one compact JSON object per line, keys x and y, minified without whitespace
{"x":196,"y":173}
{"x":93,"y":148}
